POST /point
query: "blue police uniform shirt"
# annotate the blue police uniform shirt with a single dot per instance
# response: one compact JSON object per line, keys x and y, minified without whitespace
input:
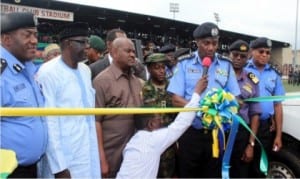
{"x":270,"y":84}
{"x":26,"y":135}
{"x":169,"y":72}
{"x":189,"y":71}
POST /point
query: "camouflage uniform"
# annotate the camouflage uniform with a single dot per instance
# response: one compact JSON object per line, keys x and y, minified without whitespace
{"x":157,"y":97}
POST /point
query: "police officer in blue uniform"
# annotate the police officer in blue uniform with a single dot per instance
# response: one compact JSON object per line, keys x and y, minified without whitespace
{"x":195,"y":146}
{"x":169,"y":50}
{"x":25,"y":135}
{"x":243,"y":149}
{"x":270,"y":85}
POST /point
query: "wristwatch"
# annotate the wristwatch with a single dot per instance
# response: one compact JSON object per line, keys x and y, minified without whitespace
{"x":252,"y":143}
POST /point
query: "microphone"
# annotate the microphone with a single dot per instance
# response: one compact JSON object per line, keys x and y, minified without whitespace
{"x":206,"y":63}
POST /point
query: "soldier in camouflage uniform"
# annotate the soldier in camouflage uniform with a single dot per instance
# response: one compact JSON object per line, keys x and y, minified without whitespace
{"x":155,"y":95}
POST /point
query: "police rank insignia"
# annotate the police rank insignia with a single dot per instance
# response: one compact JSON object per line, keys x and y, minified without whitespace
{"x":221,"y":72}
{"x":253,"y":78}
{"x":17,"y":67}
{"x":248,"y":88}
{"x":3,"y":65}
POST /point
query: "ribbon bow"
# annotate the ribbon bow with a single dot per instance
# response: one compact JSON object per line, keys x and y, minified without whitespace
{"x":218,"y":111}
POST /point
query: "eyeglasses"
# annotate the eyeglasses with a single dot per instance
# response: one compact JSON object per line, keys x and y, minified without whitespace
{"x":264,"y":51}
{"x":82,"y":42}
{"x":236,"y":54}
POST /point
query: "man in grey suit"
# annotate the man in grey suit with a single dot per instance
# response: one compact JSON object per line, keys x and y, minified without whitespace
{"x":100,"y":65}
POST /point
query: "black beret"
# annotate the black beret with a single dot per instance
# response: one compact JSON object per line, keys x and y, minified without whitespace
{"x":261,"y":42}
{"x":73,"y":30}
{"x":206,"y":29}
{"x":167,"y":48}
{"x":17,"y":20}
{"x":239,"y":45}
{"x":181,"y":51}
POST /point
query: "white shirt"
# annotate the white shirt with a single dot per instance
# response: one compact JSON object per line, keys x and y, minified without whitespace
{"x":110,"y":59}
{"x":142,"y":153}
{"x":72,"y":140}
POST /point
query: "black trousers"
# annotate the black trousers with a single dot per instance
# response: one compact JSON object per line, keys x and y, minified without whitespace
{"x":266,"y":137}
{"x":24,"y":172}
{"x":239,"y":168}
{"x":195,"y":155}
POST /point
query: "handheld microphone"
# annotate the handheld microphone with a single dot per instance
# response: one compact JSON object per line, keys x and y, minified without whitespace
{"x":206,"y":63}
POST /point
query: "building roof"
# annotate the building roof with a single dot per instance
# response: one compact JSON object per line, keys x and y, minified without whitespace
{"x":135,"y":25}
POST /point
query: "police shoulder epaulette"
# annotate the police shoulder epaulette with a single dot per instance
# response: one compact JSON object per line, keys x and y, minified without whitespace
{"x":253,"y":78}
{"x":3,"y":65}
{"x":275,"y":69}
{"x":186,"y":56}
{"x":222,"y":57}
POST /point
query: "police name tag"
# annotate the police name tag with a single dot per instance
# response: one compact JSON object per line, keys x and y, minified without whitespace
{"x":191,"y":70}
{"x":19,"y":87}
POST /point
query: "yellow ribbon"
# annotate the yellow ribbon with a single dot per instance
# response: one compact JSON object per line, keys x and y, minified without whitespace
{"x":215,"y":144}
{"x":8,"y":162}
{"x":87,"y":111}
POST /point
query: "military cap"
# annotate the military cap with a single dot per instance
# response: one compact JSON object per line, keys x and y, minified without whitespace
{"x":239,"y":45}
{"x":261,"y":42}
{"x":73,"y":30}
{"x":206,"y":29}
{"x":97,"y":43}
{"x":17,"y":20}
{"x":181,"y":51}
{"x":156,"y":57}
{"x":167,"y":48}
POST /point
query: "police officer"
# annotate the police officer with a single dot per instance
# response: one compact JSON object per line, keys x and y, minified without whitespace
{"x":155,"y":95}
{"x":270,"y":85}
{"x":243,"y":149}
{"x":25,"y":135}
{"x":195,"y":146}
{"x":169,"y":50}
{"x":181,"y":53}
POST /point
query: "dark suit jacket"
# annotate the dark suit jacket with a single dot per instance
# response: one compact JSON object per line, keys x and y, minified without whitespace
{"x":99,"y":66}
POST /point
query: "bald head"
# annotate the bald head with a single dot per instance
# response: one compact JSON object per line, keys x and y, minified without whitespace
{"x":123,"y":53}
{"x":121,"y":41}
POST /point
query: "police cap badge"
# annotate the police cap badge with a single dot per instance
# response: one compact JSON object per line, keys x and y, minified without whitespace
{"x":239,"y":45}
{"x":261,"y":42}
{"x":207,"y":29}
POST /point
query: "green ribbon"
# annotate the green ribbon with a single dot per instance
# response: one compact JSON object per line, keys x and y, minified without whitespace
{"x":215,"y":106}
{"x":263,"y":165}
{"x":263,"y":158}
{"x":272,"y":98}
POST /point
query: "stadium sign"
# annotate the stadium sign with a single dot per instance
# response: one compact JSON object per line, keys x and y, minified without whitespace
{"x":39,"y":12}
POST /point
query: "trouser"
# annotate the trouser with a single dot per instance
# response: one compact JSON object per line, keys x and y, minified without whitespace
{"x":24,"y":172}
{"x":195,"y":155}
{"x":167,"y":163}
{"x":239,"y":168}
{"x":266,"y":137}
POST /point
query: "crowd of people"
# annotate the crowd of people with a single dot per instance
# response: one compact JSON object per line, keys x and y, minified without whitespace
{"x":83,"y":71}
{"x":294,"y":77}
